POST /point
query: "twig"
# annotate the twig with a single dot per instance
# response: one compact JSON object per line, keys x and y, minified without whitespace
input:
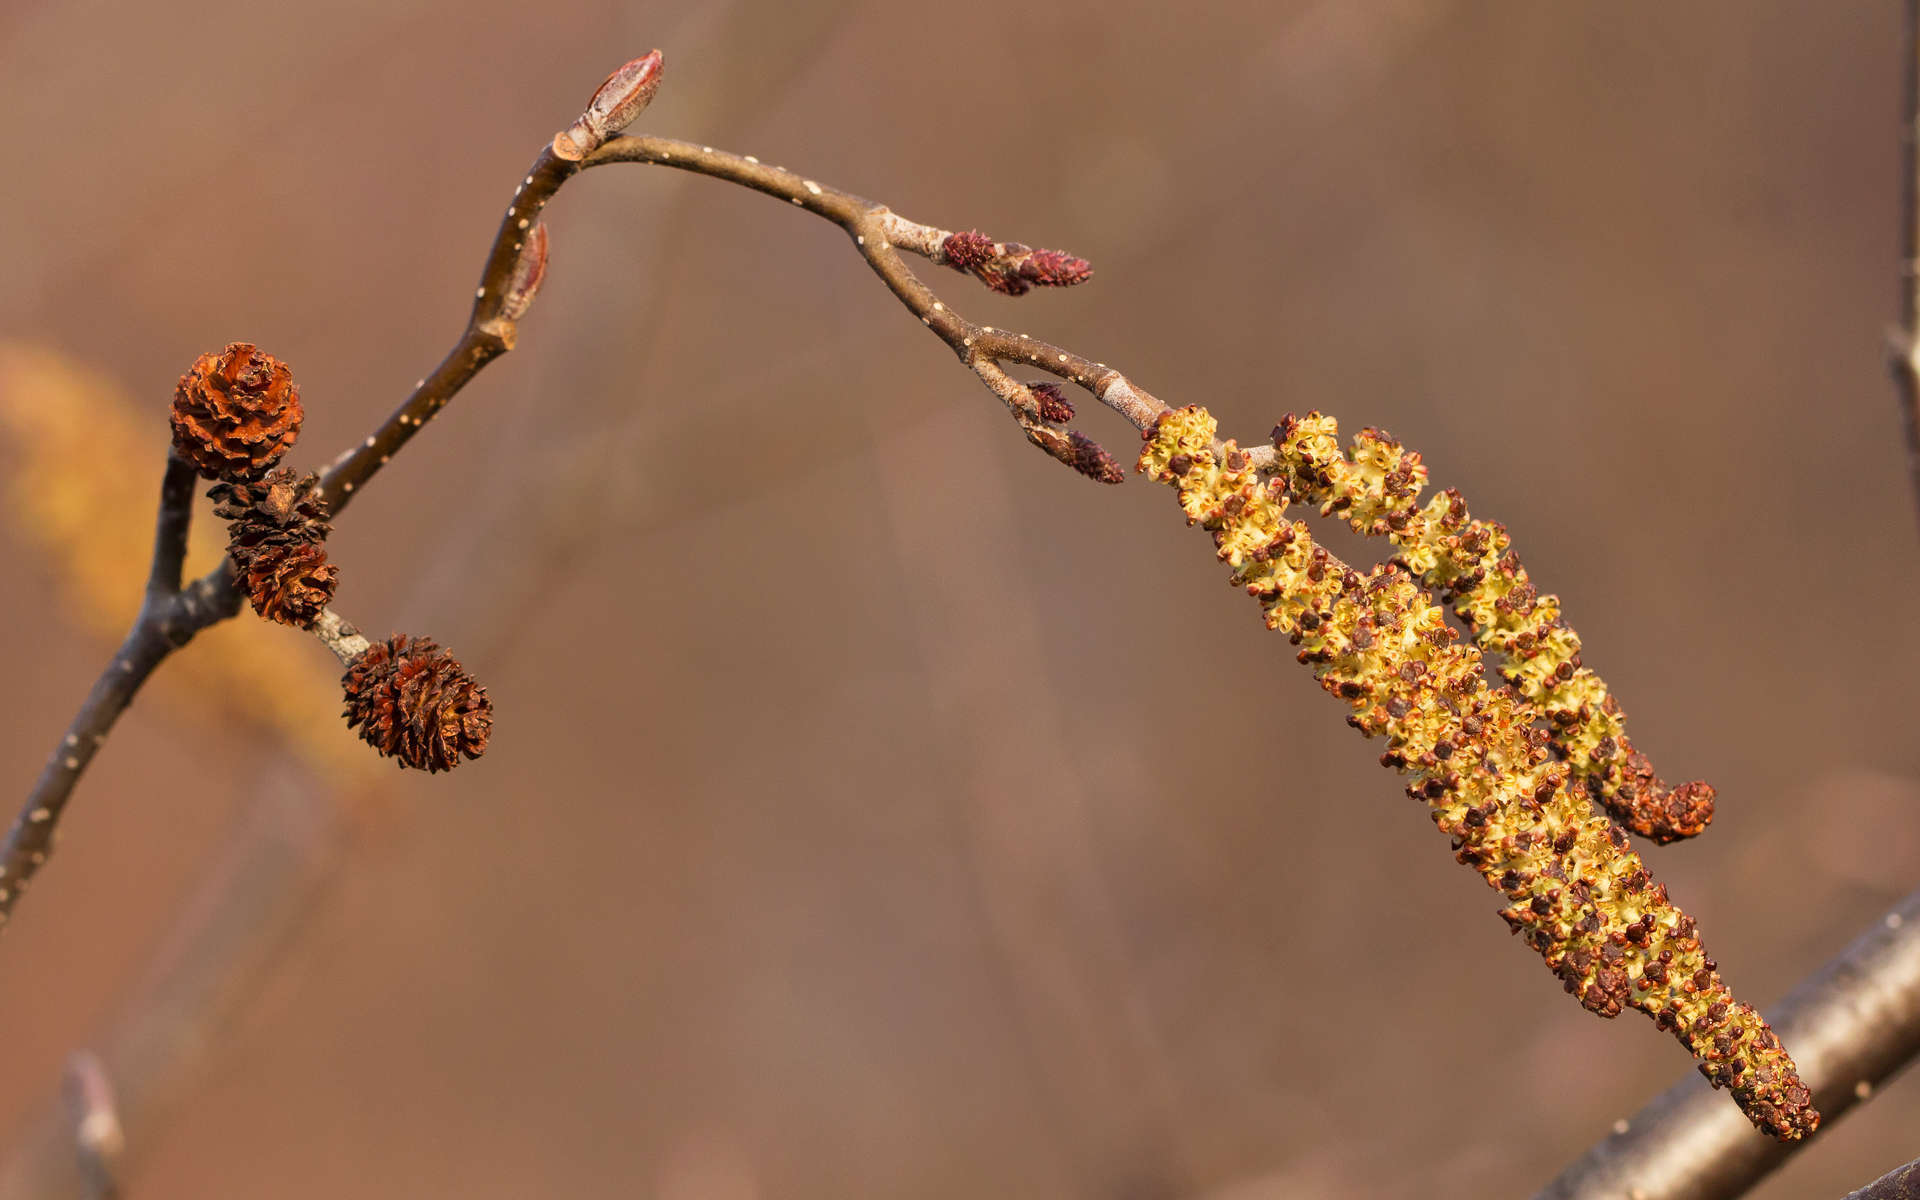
{"x":271,"y":873}
{"x":160,"y":629}
{"x":1903,"y":350}
{"x":346,"y":642}
{"x":514,"y":265}
{"x":491,"y":329}
{"x":173,"y":615}
{"x":1852,"y":1024}
{"x":880,"y":234}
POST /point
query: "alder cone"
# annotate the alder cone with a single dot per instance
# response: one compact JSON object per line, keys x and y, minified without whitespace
{"x":235,"y":413}
{"x":412,"y":701}
{"x":277,"y":542}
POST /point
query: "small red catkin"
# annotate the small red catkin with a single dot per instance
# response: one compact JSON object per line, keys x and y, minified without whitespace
{"x":1055,"y":408}
{"x":1010,"y":268}
{"x":1055,"y":268}
{"x":967,"y":250}
{"x":1091,"y":459}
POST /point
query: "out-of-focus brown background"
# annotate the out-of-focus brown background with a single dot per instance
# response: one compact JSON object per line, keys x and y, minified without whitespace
{"x":876,"y":808}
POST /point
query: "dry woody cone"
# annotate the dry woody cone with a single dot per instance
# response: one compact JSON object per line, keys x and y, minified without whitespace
{"x":277,"y":541}
{"x":235,"y":413}
{"x":412,"y":702}
{"x":1482,"y":761}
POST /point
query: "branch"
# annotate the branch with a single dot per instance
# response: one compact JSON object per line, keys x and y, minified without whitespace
{"x":1901,"y":1183}
{"x":158,"y":631}
{"x":1903,"y":351}
{"x":880,"y":235}
{"x":173,"y":615}
{"x":97,"y":1134}
{"x":170,"y":532}
{"x":515,"y":266}
{"x":1852,"y":1025}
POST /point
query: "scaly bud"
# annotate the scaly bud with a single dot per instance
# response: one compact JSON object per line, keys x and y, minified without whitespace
{"x":529,"y":270}
{"x":613,"y":107}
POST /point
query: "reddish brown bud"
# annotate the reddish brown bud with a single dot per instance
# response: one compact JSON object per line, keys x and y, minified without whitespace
{"x":1011,"y":268}
{"x":1055,"y":408}
{"x":1078,"y":451}
{"x":279,"y":525}
{"x":967,"y":250}
{"x":235,"y":413}
{"x":529,"y":271}
{"x":613,"y":107}
{"x":1055,"y":268}
{"x":412,"y":702}
{"x":1091,"y":459}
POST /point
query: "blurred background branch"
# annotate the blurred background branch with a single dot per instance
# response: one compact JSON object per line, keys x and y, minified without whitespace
{"x":1901,"y":1183}
{"x":1852,"y":1027}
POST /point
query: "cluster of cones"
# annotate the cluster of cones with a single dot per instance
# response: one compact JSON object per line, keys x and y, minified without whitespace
{"x":235,"y":414}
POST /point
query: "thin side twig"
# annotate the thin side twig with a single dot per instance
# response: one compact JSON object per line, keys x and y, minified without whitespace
{"x":1852,"y":1025}
{"x":162,"y":627}
{"x":98,"y":1138}
{"x":879,"y":234}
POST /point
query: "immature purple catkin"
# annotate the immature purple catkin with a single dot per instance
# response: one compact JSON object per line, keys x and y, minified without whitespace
{"x":1479,"y":759}
{"x":1009,"y":267}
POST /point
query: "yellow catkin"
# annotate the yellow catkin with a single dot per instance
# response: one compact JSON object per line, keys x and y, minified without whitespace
{"x":1375,"y":486}
{"x":1479,"y":758}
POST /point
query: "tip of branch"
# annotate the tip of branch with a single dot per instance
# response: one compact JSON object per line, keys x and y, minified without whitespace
{"x":96,"y":1113}
{"x":1009,"y":267}
{"x":613,"y":107}
{"x":1055,"y":268}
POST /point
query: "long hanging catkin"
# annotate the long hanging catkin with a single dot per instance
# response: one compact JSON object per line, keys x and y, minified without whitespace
{"x":1481,"y":760}
{"x":1376,"y":488}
